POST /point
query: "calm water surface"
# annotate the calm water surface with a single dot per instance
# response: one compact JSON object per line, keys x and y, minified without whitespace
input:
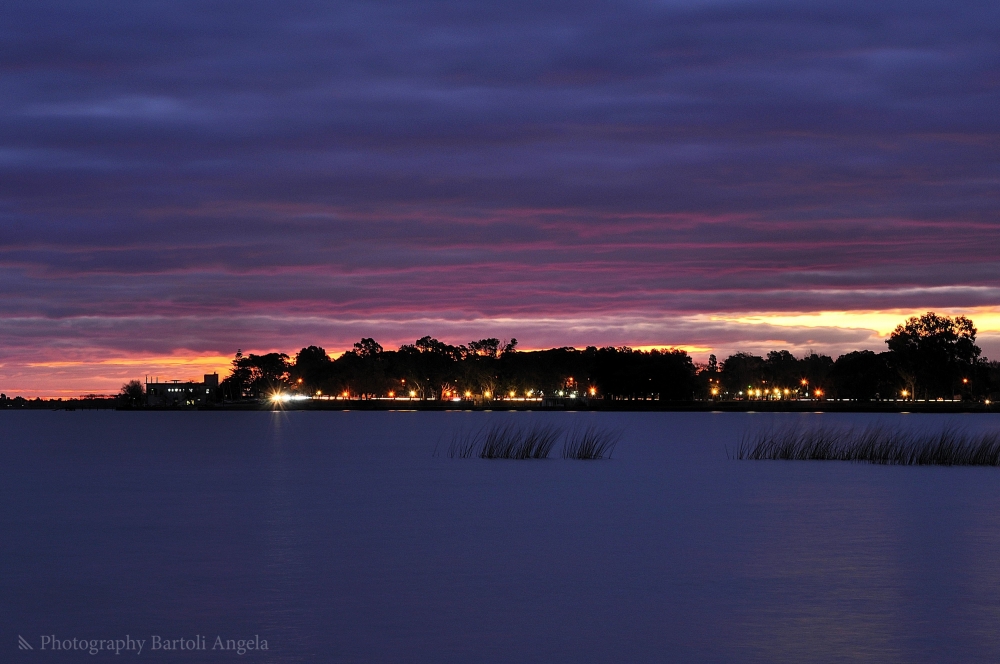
{"x":340,"y":537}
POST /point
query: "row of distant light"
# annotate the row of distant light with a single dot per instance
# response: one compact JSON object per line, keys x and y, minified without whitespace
{"x":906,"y":393}
{"x":751,"y":392}
{"x":446,"y":394}
{"x":817,"y":392}
{"x":777,"y":392}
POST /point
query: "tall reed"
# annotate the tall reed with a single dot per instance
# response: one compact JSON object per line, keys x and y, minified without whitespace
{"x":874,"y":444}
{"x":501,"y":442}
{"x":537,"y":442}
{"x":590,"y":443}
{"x":509,"y":441}
{"x":463,"y":444}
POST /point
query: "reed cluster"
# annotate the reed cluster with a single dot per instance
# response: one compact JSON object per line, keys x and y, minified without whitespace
{"x":876,"y":444}
{"x":590,"y":443}
{"x":509,"y":441}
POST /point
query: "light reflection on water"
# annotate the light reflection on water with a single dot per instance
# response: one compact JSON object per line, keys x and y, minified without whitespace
{"x":339,"y":537}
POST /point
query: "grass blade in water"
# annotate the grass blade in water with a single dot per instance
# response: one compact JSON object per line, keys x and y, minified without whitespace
{"x":876,"y":444}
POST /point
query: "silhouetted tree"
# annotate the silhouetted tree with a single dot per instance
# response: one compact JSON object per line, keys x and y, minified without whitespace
{"x":368,"y":347}
{"x":742,"y":371}
{"x":935,"y":352}
{"x":256,"y":375}
{"x":865,"y":376}
{"x":782,"y":369}
{"x":235,"y":385}
{"x":132,"y":394}
{"x":991,"y":380}
{"x":361,"y":372}
{"x":485,"y":347}
{"x":815,"y":369}
{"x":313,"y":366}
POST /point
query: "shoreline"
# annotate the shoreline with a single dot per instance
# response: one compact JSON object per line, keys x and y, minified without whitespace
{"x":549,"y":405}
{"x":945,"y":407}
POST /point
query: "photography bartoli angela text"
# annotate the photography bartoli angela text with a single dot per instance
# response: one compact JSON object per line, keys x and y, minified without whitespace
{"x":152,"y":643}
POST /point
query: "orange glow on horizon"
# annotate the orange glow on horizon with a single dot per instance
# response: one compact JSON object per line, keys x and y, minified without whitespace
{"x":71,"y":378}
{"x":60,"y":373}
{"x":142,"y":360}
{"x":880,"y":322}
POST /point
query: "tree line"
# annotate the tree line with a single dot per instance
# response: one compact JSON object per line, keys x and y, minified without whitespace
{"x":927,"y":357}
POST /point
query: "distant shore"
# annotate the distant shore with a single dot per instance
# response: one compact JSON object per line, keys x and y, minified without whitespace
{"x":594,"y":406}
{"x":548,"y":405}
{"x":648,"y":406}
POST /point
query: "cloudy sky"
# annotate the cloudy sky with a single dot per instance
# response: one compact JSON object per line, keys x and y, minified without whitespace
{"x":182,"y":179}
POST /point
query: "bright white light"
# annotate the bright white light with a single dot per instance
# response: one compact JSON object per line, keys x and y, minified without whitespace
{"x":281,"y":397}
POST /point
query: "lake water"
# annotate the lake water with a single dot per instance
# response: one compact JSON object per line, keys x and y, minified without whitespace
{"x":340,"y":537}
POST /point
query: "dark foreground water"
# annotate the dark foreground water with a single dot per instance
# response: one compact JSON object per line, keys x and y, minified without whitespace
{"x":339,"y":537}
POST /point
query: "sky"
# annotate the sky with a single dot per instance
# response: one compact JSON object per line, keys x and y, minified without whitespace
{"x":182,"y":179}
